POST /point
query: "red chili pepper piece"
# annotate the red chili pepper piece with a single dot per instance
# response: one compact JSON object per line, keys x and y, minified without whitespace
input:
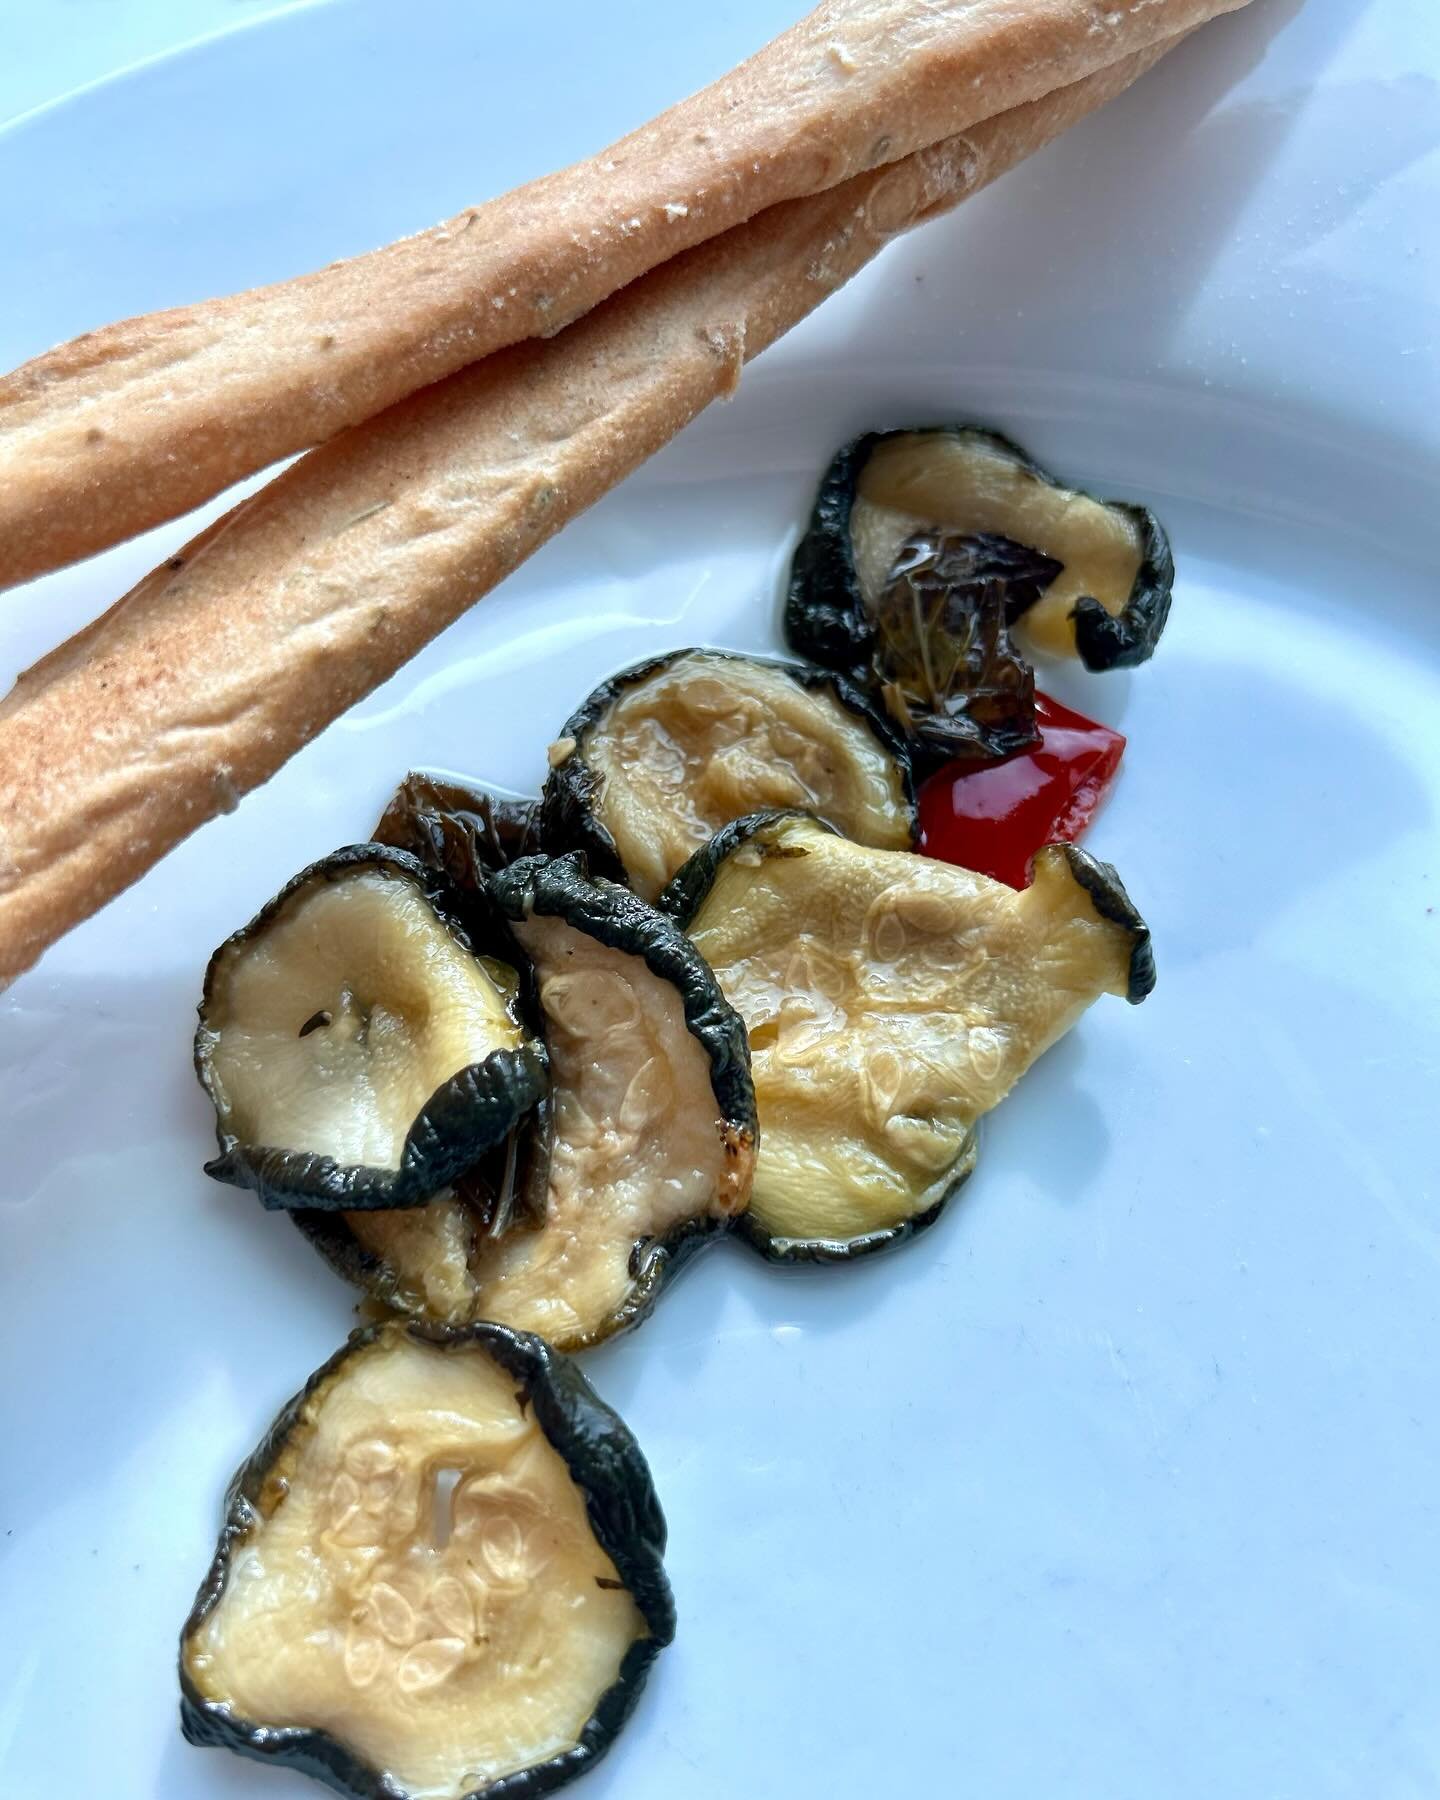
{"x":995,"y":818}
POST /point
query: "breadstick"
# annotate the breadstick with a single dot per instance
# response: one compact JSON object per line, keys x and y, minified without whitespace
{"x":138,"y":422}
{"x":225,"y":661}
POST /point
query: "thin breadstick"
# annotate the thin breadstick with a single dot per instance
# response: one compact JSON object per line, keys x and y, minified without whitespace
{"x":138,"y":422}
{"x":224,"y":662}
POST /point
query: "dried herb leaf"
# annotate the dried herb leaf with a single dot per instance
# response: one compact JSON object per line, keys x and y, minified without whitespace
{"x":506,"y":1191}
{"x":943,"y":657}
{"x":459,"y":829}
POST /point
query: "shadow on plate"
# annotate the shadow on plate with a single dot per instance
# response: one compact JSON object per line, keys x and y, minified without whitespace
{"x":1172,"y":148}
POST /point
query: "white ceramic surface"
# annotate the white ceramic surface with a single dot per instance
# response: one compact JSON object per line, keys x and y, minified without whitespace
{"x":1122,"y":1482}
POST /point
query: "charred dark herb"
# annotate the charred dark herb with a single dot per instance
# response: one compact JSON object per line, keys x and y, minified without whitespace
{"x":942,"y":655}
{"x":458,"y":829}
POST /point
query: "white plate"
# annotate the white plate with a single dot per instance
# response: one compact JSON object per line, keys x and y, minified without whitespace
{"x":1119,"y":1484}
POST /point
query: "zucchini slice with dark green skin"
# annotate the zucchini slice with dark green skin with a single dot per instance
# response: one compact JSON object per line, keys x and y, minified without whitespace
{"x":1107,"y":605}
{"x":890,"y":1001}
{"x":665,"y":753}
{"x":417,"y":1260}
{"x":358,"y":1050}
{"x":652,"y":1109}
{"x":440,"y":1575}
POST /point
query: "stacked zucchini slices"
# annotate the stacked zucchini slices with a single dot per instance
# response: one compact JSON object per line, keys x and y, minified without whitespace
{"x":510,"y":1064}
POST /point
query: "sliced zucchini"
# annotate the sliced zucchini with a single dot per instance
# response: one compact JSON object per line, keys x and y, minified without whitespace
{"x":1107,"y":603}
{"x":663,"y":755}
{"x":416,"y":1260}
{"x":890,"y":1001}
{"x":652,"y":1109}
{"x":357,"y":1050}
{"x":440,"y":1574}
{"x":458,"y":828}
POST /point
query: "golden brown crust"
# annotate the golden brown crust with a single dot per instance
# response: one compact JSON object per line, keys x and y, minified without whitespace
{"x":137,"y":422}
{"x":206,"y":677}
